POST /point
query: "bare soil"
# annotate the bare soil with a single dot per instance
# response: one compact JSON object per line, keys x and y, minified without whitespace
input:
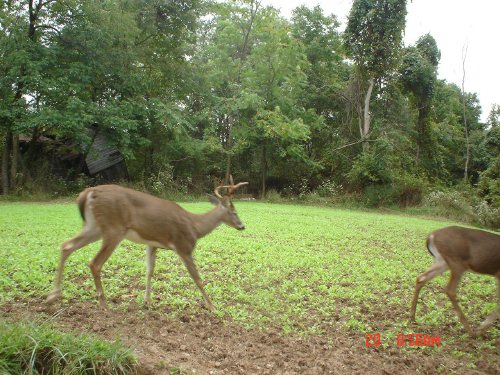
{"x":200,"y":343}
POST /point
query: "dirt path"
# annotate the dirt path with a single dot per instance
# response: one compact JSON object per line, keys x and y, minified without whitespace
{"x":204,"y":344}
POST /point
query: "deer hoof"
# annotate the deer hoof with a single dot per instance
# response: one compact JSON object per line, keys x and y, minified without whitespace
{"x":104,"y":306}
{"x":472,"y":332}
{"x":53,"y":296}
{"x":481,"y":331}
{"x":210,"y":307}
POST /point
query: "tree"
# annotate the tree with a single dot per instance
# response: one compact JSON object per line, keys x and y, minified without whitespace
{"x":254,"y":77}
{"x":327,"y":79}
{"x":117,"y":64}
{"x":494,"y":116}
{"x":447,"y":135}
{"x":373,"y":39}
{"x":223,"y":58}
{"x":418,"y":75}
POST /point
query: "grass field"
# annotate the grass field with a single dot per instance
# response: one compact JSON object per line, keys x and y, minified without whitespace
{"x":307,"y":270}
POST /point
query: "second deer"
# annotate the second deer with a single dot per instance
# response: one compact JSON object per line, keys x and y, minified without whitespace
{"x":461,"y":249}
{"x":113,"y":213}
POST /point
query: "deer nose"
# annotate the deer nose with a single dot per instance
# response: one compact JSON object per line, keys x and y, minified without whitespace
{"x":241,"y":227}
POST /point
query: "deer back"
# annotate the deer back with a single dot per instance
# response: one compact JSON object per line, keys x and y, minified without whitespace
{"x":477,"y":250}
{"x":131,"y":213}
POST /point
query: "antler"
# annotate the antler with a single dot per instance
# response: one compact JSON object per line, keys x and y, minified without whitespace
{"x":232,"y":187}
{"x":216,"y":191}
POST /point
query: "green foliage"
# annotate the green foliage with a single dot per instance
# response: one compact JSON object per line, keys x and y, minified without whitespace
{"x":418,"y":68}
{"x":273,"y":125}
{"x":193,"y":89}
{"x":374,"y":34}
{"x":94,"y":62}
{"x":489,"y":183}
{"x":462,"y":204}
{"x":372,"y":167}
{"x":428,"y":47}
{"x":27,"y":348}
{"x":493,"y":120}
{"x":409,"y":190}
{"x":378,"y":195}
{"x":450,"y":203}
{"x":273,"y":196}
{"x":487,"y":215}
{"x":328,"y":188}
{"x":164,"y":184}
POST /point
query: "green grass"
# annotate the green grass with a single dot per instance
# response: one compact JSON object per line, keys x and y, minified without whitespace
{"x":26,"y":348}
{"x":304,"y":269}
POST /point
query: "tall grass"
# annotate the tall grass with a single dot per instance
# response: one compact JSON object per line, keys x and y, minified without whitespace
{"x":27,"y":348}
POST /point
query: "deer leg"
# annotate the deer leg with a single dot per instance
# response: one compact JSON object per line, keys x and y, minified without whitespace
{"x":436,"y":269}
{"x":86,"y":236}
{"x":188,"y":261}
{"x":108,"y":246}
{"x":490,"y":319}
{"x":150,"y":267}
{"x":451,"y":291}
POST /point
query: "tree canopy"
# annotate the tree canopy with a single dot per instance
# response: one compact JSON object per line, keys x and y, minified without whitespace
{"x":192,"y":90}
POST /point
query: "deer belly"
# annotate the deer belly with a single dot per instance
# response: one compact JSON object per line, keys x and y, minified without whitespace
{"x":133,"y":236}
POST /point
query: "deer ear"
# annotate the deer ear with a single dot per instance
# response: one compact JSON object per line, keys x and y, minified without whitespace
{"x":214,"y":200}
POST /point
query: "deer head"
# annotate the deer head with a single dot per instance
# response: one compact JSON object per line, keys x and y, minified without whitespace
{"x":225,"y":202}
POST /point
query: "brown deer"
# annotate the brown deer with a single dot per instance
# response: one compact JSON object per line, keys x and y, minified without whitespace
{"x":461,"y":249}
{"x":114,"y":213}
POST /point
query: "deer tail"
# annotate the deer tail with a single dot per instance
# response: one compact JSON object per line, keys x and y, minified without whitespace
{"x":81,"y":200}
{"x":431,"y":247}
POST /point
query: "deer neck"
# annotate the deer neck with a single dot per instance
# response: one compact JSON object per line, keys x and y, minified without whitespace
{"x":207,"y":222}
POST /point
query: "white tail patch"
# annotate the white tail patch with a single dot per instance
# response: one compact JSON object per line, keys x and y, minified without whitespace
{"x":433,"y":249}
{"x":90,"y":224}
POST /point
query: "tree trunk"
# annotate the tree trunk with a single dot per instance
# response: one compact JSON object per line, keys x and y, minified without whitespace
{"x":229,"y":145}
{"x":264,"y":171}
{"x":366,"y":114}
{"x":228,"y":166}
{"x":467,"y":149}
{"x":421,"y":132}
{"x":12,"y":142}
{"x":15,"y":158}
{"x":466,"y":130}
{"x":5,"y":164}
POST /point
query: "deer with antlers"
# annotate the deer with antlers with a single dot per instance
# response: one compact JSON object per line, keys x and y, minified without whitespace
{"x":113,"y":213}
{"x":461,"y":249}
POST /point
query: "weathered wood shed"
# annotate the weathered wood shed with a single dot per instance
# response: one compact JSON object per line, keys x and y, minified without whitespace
{"x":105,"y":160}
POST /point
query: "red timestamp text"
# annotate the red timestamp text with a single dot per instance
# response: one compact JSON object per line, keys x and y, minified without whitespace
{"x":418,"y":339}
{"x":412,"y":339}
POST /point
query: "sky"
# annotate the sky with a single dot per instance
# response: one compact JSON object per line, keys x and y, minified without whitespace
{"x":456,"y":25}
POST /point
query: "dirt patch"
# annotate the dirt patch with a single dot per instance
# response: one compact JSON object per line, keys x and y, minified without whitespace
{"x":203,"y":344}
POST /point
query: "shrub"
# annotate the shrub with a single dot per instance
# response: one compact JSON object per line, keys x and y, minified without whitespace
{"x":299,"y":189}
{"x":489,"y":184}
{"x":449,"y":204}
{"x":273,"y":196}
{"x":329,"y":188}
{"x":162,"y":182}
{"x":463,"y":206}
{"x":164,"y":185}
{"x":409,"y":190}
{"x":372,"y":167}
{"x":487,"y":215}
{"x":379,"y":195}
